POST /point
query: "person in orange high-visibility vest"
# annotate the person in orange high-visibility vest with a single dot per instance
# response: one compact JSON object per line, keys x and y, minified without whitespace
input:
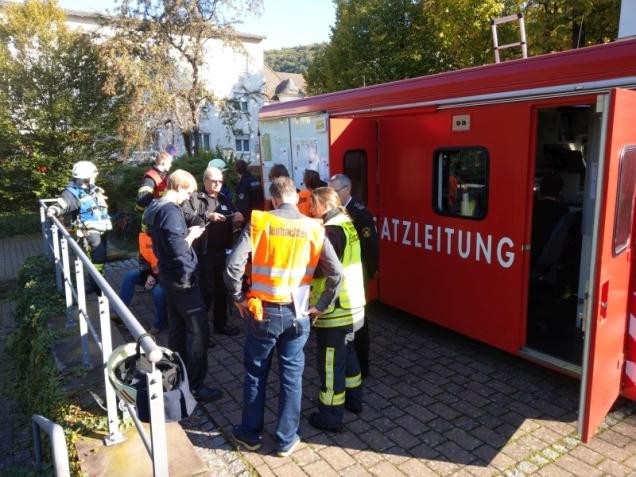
{"x":312,"y":181}
{"x":146,"y":275}
{"x":286,"y":248}
{"x":153,"y":185}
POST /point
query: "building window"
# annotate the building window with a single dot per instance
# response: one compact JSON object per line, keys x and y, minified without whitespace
{"x":204,"y":141}
{"x":461,"y":182}
{"x":243,"y":105}
{"x":625,"y":200}
{"x":242,"y":144}
{"x":355,"y":167}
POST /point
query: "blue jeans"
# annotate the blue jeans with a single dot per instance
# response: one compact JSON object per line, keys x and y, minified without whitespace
{"x":279,"y":329}
{"x":127,"y":291}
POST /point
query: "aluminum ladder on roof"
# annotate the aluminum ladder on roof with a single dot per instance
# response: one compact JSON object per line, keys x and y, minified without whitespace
{"x":522,"y":34}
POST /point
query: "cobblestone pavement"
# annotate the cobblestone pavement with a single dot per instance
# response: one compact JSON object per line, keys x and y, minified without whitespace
{"x":436,"y":403}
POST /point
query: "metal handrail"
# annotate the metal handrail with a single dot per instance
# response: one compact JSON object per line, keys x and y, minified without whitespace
{"x":58,"y":444}
{"x":58,"y":242}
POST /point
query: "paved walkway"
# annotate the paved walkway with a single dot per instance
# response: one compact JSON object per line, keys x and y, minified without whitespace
{"x":436,"y":404}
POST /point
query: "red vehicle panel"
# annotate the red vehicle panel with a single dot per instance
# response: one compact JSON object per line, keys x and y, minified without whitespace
{"x":441,"y":284}
{"x":611,"y":285}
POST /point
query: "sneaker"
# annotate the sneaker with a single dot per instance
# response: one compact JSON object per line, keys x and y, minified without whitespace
{"x":290,"y":450}
{"x":249,"y":445}
{"x":227,"y":330}
{"x":207,"y":394}
{"x":315,"y":421}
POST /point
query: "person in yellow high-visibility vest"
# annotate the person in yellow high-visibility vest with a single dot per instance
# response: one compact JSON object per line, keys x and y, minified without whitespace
{"x":287,"y":247}
{"x":338,"y":367}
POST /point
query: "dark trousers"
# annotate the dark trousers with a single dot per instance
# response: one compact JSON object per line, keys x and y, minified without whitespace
{"x":211,"y":267}
{"x":339,"y":373}
{"x":188,"y":330}
{"x":362,"y":347}
{"x":95,"y":245}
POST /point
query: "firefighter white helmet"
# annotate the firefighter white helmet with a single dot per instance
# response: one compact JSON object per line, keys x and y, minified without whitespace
{"x":84,"y":170}
{"x":218,"y":163}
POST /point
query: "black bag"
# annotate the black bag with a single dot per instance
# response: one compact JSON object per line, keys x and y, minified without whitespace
{"x":178,"y":401}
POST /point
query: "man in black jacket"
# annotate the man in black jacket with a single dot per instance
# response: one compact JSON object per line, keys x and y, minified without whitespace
{"x":216,"y":212}
{"x":368,"y":233}
{"x":172,"y":242}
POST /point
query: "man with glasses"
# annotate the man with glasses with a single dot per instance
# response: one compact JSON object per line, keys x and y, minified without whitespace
{"x":172,"y":242}
{"x":365,"y":226}
{"x":213,"y":210}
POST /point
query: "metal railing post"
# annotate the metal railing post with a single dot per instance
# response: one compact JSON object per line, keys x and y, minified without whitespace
{"x":55,"y":237}
{"x":70,"y":320}
{"x":81,"y":316}
{"x":58,"y":444}
{"x":46,"y":234}
{"x":157,"y":424}
{"x":114,"y":434}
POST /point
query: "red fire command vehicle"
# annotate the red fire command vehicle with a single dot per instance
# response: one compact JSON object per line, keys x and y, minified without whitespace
{"x":452,"y":166}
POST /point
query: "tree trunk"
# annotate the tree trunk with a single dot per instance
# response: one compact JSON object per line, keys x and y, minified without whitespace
{"x":187,"y":141}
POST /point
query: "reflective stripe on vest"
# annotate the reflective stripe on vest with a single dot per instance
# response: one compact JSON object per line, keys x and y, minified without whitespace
{"x":348,"y":308}
{"x":285,"y":254}
{"x":160,"y":182}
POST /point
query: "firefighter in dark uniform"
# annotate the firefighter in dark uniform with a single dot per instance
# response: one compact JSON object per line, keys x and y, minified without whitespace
{"x":153,"y":185}
{"x":249,"y":192}
{"x":85,"y":203}
{"x":212,"y":209}
{"x":368,"y":233}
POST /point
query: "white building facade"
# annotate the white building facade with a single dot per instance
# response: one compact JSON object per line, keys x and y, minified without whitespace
{"x":229,"y":74}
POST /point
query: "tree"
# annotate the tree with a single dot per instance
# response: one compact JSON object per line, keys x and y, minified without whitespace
{"x":375,"y":41}
{"x":156,"y":60}
{"x":292,"y":60}
{"x":53,"y":110}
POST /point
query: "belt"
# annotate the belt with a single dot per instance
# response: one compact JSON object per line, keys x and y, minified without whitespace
{"x":271,"y":303}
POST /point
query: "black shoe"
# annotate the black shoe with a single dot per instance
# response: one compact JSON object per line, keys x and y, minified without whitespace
{"x":207,"y":394}
{"x":315,"y":421}
{"x":354,"y":408}
{"x":227,"y":330}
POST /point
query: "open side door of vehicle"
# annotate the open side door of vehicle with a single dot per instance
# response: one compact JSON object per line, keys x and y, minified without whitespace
{"x":606,"y":317}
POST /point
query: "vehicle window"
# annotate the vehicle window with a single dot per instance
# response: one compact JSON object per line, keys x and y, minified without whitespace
{"x":625,"y":199}
{"x":461,"y":182}
{"x":355,"y":166}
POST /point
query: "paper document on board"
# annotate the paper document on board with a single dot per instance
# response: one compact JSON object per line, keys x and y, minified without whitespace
{"x":300,"y":297}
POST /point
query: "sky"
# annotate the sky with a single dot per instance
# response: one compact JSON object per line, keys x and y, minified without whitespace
{"x":285,"y":23}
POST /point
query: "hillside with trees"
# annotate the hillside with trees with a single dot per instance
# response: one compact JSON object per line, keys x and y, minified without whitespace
{"x":293,"y":60}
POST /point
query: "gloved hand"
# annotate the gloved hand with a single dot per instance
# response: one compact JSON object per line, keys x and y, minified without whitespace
{"x":51,"y":212}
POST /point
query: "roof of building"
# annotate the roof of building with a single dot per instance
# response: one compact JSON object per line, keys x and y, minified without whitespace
{"x":282,"y":83}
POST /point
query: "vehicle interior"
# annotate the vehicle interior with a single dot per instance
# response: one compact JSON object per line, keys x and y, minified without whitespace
{"x":561,"y":234}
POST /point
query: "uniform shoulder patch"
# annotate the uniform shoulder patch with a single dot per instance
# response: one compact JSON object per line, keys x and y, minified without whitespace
{"x":366,"y":232}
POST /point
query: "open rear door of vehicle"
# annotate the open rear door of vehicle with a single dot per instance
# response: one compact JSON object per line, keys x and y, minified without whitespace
{"x":603,"y":359}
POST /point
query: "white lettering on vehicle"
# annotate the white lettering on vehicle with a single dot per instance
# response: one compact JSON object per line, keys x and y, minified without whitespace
{"x":451,"y":241}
